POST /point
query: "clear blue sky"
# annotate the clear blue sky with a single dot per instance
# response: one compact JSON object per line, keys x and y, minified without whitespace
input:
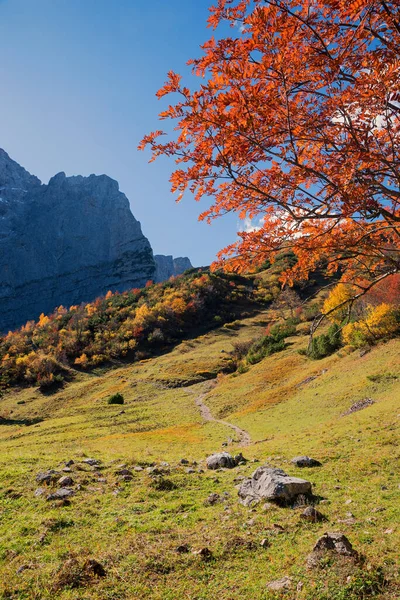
{"x":78,"y":83}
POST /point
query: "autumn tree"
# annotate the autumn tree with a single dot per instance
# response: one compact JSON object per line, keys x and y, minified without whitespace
{"x":293,"y":122}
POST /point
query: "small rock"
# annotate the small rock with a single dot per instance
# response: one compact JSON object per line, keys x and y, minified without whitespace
{"x":239,"y":459}
{"x":312,"y":515}
{"x":93,"y":567}
{"x":24,"y":568}
{"x":69,"y":463}
{"x":265,"y":543}
{"x":349,"y":501}
{"x":61,"y":494}
{"x":204,"y":553}
{"x":388,"y":531}
{"x":39,"y":492}
{"x":305,"y":461}
{"x":268,"y":506}
{"x":189,"y":471}
{"x":280,"y":584}
{"x":331,"y":542}
{"x":221,"y":459}
{"x":125,"y":478}
{"x":212,"y":499}
{"x":93,"y":462}
{"x":138,"y":469}
{"x":184,"y":461}
{"x":47,"y":476}
{"x":65,"y":481}
{"x":124,"y":472}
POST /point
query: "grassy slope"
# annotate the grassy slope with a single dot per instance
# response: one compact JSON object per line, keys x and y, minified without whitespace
{"x":134,"y":533}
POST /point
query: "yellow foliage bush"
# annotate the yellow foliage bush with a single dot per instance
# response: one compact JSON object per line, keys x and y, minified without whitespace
{"x":82,"y":361}
{"x":380,"y":321}
{"x":340,"y":294}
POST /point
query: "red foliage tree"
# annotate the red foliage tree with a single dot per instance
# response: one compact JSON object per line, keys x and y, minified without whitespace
{"x":296,"y":123}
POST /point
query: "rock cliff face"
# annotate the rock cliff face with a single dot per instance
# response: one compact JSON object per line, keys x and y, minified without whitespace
{"x":166,"y":266}
{"x":64,"y":243}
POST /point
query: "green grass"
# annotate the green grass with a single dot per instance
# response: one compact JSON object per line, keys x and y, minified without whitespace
{"x":133,"y":528}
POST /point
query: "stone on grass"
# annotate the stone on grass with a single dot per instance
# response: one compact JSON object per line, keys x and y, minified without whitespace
{"x":183,"y":549}
{"x":305,"y":461}
{"x":268,"y":483}
{"x":221,"y":460}
{"x":93,"y":462}
{"x":280,"y":584}
{"x":39,"y":492}
{"x":335,"y":543}
{"x":65,"y":481}
{"x":93,"y":567}
{"x":124,"y":472}
{"x":312,"y":515}
{"x":47,"y":476}
{"x":204,"y":553}
{"x":61,"y":494}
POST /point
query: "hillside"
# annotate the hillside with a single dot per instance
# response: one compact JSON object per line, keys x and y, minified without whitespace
{"x":148,"y":523}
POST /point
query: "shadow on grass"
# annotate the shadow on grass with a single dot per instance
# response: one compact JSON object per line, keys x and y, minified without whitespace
{"x":27,"y":422}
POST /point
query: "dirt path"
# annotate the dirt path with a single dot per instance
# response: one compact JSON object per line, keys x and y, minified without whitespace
{"x":244,"y":436}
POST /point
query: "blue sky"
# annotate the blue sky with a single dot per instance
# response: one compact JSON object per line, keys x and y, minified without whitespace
{"x":78,"y":83}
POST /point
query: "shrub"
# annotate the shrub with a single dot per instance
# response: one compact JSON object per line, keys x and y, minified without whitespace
{"x":326,"y":344}
{"x":339,"y":297}
{"x":116,"y":399}
{"x":380,"y":321}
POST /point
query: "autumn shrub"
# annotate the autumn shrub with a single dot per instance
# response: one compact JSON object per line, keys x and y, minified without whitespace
{"x":336,"y":306}
{"x":116,"y":399}
{"x":379,"y":322}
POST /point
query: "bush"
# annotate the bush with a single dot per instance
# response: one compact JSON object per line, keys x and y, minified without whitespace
{"x":116,"y":399}
{"x":326,"y":344}
{"x":380,"y":321}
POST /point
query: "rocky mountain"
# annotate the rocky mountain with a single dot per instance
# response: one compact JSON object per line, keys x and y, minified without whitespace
{"x":64,"y":243}
{"x":167,"y":266}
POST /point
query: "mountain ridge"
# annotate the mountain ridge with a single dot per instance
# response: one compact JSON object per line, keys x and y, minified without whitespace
{"x":65,"y":242}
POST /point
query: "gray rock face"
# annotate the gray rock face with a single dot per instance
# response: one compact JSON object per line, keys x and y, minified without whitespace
{"x":273,"y":484}
{"x":64,"y":243}
{"x":167,"y":266}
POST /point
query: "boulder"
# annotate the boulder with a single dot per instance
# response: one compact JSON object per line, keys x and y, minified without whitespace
{"x":273,"y":484}
{"x":221,"y":460}
{"x":305,"y":461}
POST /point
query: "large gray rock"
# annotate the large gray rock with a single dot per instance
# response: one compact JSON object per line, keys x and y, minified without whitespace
{"x":167,"y":266}
{"x":273,"y":484}
{"x":64,"y":243}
